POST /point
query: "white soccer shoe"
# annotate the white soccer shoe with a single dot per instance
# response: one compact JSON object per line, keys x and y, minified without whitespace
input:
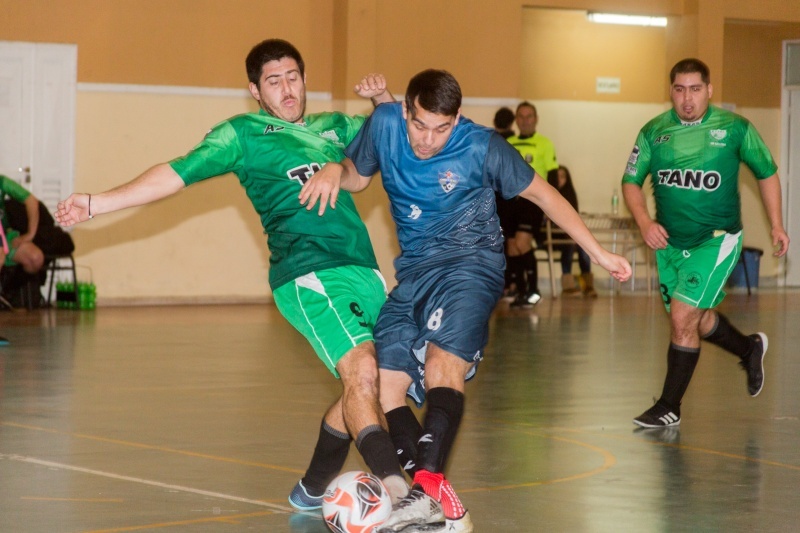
{"x":416,"y":509}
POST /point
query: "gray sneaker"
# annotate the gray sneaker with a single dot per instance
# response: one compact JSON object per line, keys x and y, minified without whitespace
{"x":415,"y":509}
{"x":302,"y":500}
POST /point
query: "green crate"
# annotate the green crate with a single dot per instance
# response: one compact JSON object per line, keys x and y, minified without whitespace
{"x":65,"y":295}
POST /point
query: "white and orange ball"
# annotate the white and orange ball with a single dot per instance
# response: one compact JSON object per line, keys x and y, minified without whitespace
{"x":356,"y":502}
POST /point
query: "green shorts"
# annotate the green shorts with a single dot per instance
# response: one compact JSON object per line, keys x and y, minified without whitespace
{"x":696,"y":277}
{"x":335,"y":309}
{"x":11,"y":234}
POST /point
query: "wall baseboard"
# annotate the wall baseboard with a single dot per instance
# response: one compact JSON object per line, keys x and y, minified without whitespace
{"x":187,"y":300}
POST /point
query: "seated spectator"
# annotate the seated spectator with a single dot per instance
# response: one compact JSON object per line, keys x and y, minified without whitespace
{"x":503,"y":122}
{"x":561,"y":179}
{"x":30,"y":234}
{"x":539,"y":153}
{"x":21,"y":250}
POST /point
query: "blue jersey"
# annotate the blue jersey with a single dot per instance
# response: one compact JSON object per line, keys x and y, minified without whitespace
{"x":443,"y":207}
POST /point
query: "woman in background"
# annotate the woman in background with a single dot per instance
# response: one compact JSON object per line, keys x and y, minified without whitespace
{"x":561,"y":179}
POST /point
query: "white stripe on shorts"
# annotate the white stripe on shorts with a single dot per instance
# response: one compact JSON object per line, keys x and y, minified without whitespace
{"x":312,"y":282}
{"x":727,"y":247}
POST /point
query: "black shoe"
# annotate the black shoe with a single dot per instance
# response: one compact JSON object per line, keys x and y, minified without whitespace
{"x":520,"y":302}
{"x":4,"y":341}
{"x":753,"y":364}
{"x":659,"y":416}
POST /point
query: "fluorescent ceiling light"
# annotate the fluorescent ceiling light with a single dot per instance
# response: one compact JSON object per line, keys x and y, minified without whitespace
{"x":634,"y":20}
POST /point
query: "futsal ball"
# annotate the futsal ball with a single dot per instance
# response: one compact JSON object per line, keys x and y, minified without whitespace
{"x":356,"y":502}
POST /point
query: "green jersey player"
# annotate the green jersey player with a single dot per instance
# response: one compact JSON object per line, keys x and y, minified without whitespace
{"x":692,"y":154}
{"x":322,"y":268}
{"x":17,"y":248}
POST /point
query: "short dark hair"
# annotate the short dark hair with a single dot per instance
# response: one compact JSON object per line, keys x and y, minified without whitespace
{"x":504,"y":118}
{"x":437,"y":91}
{"x":527,"y":104}
{"x":270,"y":50}
{"x":689,"y":66}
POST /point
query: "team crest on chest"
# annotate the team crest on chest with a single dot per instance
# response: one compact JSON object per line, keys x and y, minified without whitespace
{"x":718,"y":136}
{"x":448,"y":180}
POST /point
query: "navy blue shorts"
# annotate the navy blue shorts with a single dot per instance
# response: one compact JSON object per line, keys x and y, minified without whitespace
{"x":448,"y":305}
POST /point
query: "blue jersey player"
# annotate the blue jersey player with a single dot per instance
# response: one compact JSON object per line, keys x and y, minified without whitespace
{"x":440,"y":171}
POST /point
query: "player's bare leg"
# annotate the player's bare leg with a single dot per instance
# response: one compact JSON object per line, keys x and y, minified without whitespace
{"x":364,"y":418}
{"x":357,"y":412}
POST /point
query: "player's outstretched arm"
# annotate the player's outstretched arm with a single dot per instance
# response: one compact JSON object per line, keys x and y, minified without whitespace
{"x":154,"y":184}
{"x":559,"y":210}
{"x":325,"y":184}
{"x":373,"y":86}
{"x":770,"y":189}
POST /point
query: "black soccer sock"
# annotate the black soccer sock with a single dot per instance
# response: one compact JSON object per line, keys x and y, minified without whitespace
{"x":445,"y":408}
{"x":509,"y":276}
{"x":518,"y":268}
{"x":531,"y":271}
{"x":375,"y":446}
{"x":405,"y":430}
{"x":328,"y":459}
{"x":681,"y":362}
{"x":726,"y":336}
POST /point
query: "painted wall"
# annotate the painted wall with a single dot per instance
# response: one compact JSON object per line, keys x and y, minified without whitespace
{"x":563,"y":54}
{"x":752,"y":56}
{"x":200,"y":43}
{"x":205,"y":244}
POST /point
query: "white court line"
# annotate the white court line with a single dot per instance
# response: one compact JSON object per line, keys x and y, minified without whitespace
{"x":61,"y":466}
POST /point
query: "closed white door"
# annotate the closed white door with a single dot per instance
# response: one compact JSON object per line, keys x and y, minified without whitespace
{"x":37,"y":117}
{"x":790,"y":156}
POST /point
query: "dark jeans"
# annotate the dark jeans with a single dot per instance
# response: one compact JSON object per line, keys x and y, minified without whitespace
{"x":567,"y":252}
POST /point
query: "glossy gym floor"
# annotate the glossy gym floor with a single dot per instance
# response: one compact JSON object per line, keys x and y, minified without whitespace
{"x":201,"y":419}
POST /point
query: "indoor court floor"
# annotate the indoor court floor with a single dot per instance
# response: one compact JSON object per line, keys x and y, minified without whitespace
{"x":202,"y":418}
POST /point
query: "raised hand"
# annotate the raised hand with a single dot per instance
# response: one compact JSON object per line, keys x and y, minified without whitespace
{"x":73,"y":210}
{"x":371,"y":86}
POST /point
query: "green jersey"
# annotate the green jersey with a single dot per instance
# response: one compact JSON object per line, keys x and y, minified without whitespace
{"x":273,"y":159}
{"x":538,"y":151}
{"x":694,"y":169}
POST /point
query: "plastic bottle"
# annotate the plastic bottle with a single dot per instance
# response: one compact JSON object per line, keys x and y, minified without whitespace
{"x":83,"y":296}
{"x":92,"y":297}
{"x":615,"y":203}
